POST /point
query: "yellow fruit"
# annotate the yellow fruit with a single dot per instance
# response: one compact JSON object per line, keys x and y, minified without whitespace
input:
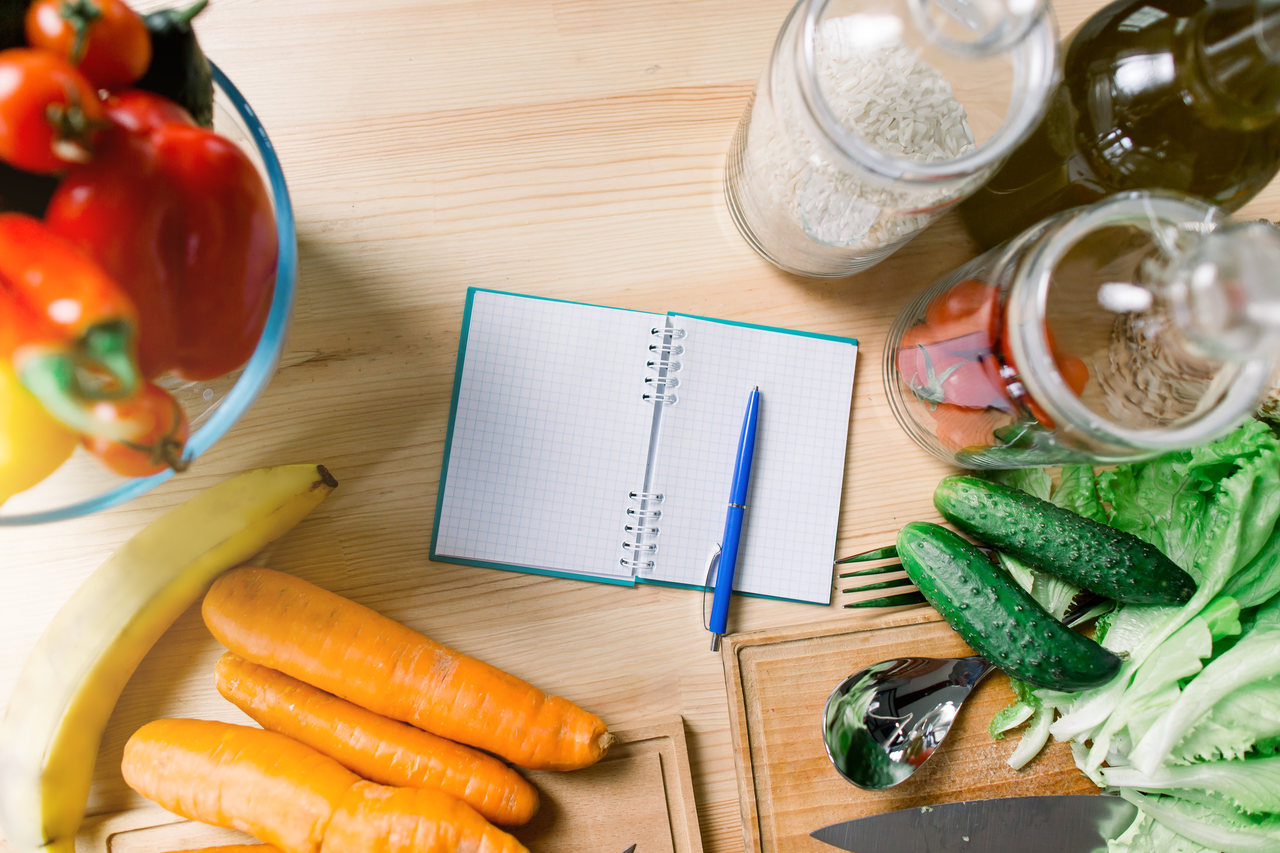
{"x":32,"y":443}
{"x":64,"y":695}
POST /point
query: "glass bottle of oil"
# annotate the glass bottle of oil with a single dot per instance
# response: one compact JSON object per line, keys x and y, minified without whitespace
{"x":1180,"y":95}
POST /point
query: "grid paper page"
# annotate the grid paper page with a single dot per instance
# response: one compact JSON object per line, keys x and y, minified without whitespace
{"x":549,"y":435}
{"x":793,"y":502}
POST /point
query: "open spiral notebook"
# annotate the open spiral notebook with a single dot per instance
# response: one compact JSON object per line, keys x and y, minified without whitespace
{"x":598,"y":443}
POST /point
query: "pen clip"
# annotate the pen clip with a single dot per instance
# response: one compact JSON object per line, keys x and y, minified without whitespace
{"x":713,"y":567}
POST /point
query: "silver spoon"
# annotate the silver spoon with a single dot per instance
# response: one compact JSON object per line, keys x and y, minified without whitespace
{"x":882,"y":723}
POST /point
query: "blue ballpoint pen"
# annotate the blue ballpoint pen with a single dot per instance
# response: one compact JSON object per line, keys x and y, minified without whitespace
{"x":733,"y":521}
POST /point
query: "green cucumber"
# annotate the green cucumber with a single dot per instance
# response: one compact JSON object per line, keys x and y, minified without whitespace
{"x":1090,"y":555}
{"x":995,"y":616}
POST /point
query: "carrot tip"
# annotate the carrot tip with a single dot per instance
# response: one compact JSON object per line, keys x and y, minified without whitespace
{"x":606,"y":740}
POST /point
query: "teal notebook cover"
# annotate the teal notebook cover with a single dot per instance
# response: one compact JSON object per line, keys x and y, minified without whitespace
{"x":598,"y":443}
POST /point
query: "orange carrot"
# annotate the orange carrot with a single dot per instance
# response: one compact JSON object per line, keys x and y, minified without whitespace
{"x":374,"y":746}
{"x":344,"y":648}
{"x":380,"y":819}
{"x":291,"y":796}
{"x":262,"y":783}
{"x":232,"y":848}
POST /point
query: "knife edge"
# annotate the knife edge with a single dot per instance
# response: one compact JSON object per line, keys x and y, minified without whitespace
{"x":1076,"y":823}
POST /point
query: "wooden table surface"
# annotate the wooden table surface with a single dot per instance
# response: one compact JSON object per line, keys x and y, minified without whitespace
{"x":564,"y":148}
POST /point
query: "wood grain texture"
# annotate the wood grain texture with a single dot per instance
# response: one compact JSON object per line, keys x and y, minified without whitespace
{"x":563,"y":148}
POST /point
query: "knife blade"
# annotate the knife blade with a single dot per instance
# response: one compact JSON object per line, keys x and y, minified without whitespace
{"x":1063,"y":823}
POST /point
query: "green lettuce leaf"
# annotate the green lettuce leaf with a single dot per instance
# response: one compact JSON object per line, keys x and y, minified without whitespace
{"x":1146,"y":835}
{"x":1024,"y":704}
{"x":1211,"y":821}
{"x":1034,"y":481}
{"x":1259,"y":581}
{"x":1078,"y":491}
{"x":1253,"y":659}
{"x":1251,"y":785}
{"x":1034,"y":737}
{"x":1243,"y":723}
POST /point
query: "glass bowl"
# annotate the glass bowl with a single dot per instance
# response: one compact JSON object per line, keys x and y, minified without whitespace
{"x":82,"y":485}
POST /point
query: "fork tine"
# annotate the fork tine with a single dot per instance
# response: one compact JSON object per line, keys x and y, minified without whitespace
{"x":893,"y":583}
{"x":888,"y":552}
{"x":885,"y":553}
{"x":890,"y":600}
{"x":874,"y":570}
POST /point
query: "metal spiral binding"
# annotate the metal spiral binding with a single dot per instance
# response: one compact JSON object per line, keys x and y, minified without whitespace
{"x":642,"y":531}
{"x":664,"y":365}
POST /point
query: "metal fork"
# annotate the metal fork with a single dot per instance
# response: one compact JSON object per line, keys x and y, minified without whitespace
{"x":888,"y":552}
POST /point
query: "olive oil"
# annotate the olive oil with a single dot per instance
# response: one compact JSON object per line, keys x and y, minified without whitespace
{"x":1181,"y":95}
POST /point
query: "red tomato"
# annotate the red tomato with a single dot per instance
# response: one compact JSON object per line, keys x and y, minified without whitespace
{"x":1074,"y":372}
{"x":139,"y":111}
{"x":49,"y":112}
{"x":960,"y":429}
{"x":936,"y":375}
{"x":965,"y":308}
{"x":943,"y":363}
{"x":141,"y":435}
{"x":105,"y":39}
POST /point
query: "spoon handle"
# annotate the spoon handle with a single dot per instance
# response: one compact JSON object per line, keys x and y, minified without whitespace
{"x":969,"y":671}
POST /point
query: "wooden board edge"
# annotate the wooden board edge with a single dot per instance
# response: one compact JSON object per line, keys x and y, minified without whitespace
{"x":740,"y":743}
{"x":682,"y":805}
{"x":892,"y":618}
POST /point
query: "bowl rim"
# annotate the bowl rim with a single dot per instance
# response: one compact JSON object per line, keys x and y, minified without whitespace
{"x":260,"y":367}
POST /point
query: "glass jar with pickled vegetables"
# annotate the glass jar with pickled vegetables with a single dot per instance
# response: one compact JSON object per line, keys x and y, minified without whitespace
{"x":1143,"y":323}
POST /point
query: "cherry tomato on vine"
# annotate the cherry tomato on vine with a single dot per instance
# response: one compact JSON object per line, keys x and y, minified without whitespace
{"x":105,"y":39}
{"x":141,"y":435}
{"x":49,"y":112}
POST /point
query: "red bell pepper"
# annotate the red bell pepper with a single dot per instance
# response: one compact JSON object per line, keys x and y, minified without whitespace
{"x":65,"y":324}
{"x":180,"y":216}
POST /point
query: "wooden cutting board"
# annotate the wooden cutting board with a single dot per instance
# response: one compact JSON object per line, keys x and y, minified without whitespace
{"x":641,"y":793}
{"x":778,"y":681}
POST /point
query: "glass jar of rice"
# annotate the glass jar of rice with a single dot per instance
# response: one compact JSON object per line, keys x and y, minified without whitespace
{"x":874,"y":116}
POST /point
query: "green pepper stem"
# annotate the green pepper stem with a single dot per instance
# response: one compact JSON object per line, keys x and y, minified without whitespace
{"x":68,"y":381}
{"x":80,"y":14}
{"x":106,"y":350}
{"x":185,"y":16}
{"x":50,"y":376}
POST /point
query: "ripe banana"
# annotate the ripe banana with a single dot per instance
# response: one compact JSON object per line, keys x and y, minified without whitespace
{"x":64,"y":695}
